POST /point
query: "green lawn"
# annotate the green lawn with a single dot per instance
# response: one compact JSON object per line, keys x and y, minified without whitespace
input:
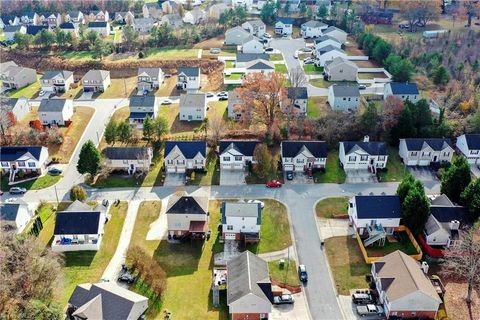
{"x":312,"y":69}
{"x":276,"y":57}
{"x":229,"y":64}
{"x":234,"y":76}
{"x":280,"y":68}
{"x":395,"y":170}
{"x":40,"y":183}
{"x":30,"y":91}
{"x":316,"y":106}
{"x":275,"y":228}
{"x":321,"y":83}
{"x":116,"y":182}
{"x":346,"y":263}
{"x":76,"y":55}
{"x":405,"y":245}
{"x":211,"y":177}
{"x":333,"y":172}
{"x":286,"y":274}
{"x":172,"y":53}
{"x":329,"y":207}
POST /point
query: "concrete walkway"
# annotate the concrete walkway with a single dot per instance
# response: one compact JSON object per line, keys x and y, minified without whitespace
{"x":115,"y":265}
{"x":277,"y":255}
{"x":330,"y":228}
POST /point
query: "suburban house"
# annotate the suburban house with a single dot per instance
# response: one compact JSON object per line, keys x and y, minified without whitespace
{"x":188,"y":79}
{"x":55,"y":111}
{"x":152,"y":10}
{"x":284,"y":26}
{"x":193,"y":107}
{"x":216,"y":10}
{"x":444,"y":224}
{"x":234,"y":107}
{"x":129,"y":159}
{"x":259,"y":65}
{"x":143,"y":25}
{"x":368,"y":155}
{"x":255,"y":27}
{"x":469,"y":146}
{"x":324,"y":41}
{"x":236,"y":154}
{"x":303,"y":156}
{"x":374,"y":217}
{"x":78,"y":228}
{"x":402,"y":90}
{"x":173,"y":20}
{"x":16,"y":77}
{"x":18,"y":108}
{"x":170,"y":6}
{"x":187,"y":216}
{"x":336,"y":33}
{"x":125,"y":17}
{"x":14,"y":215}
{"x":96,"y":80}
{"x":185,"y":155}
{"x":30,"y":18}
{"x":56,"y":81}
{"x":242,"y":3}
{"x":252,"y":45}
{"x":241,"y":221}
{"x":105,"y":300}
{"x":243,"y":58}
{"x":69,"y":27}
{"x":344,"y":97}
{"x":298,"y":98}
{"x":194,"y":16}
{"x":312,"y":29}
{"x":403,"y":287}
{"x":9,"y":31}
{"x":9,"y":21}
{"x":100,"y":27}
{"x":51,"y":20}
{"x":98,"y":15}
{"x":33,"y":30}
{"x":328,"y":53}
{"x":28,"y":159}
{"x":236,"y":36}
{"x":249,"y":290}
{"x":142,"y":107}
{"x":423,"y":152}
{"x":74,"y":16}
{"x":340,"y":69}
{"x":149,"y":79}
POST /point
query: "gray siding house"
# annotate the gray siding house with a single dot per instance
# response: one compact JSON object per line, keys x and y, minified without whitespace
{"x":149,"y":79}
{"x":56,"y":81}
{"x":193,"y":107}
{"x":16,"y":77}
{"x":344,"y":97}
{"x":96,"y":81}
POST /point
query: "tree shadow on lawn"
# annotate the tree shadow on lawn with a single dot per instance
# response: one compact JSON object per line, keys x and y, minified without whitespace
{"x":183,"y":126}
{"x":357,"y":265}
{"x":79,"y":258}
{"x":179,"y":259}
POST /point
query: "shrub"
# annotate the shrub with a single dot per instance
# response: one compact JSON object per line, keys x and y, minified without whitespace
{"x":147,"y":269}
{"x":78,"y":193}
{"x":141,"y":55}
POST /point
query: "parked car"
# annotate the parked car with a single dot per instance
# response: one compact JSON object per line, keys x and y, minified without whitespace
{"x":295,"y":55}
{"x":222,"y":98}
{"x":222,"y":94}
{"x":269,"y":49}
{"x":369,"y":310}
{"x":41,"y":93}
{"x":273,"y":184}
{"x":285,"y":36}
{"x":267,"y":35}
{"x":404,"y":26}
{"x":166,"y":101}
{"x":262,"y":204}
{"x":17,"y":190}
{"x":289,"y":175}
{"x":215,"y":50}
{"x":167,"y":75}
{"x":362,"y":87}
{"x":362,"y":298}
{"x":283,"y":299}
{"x":53,"y":171}
{"x":308,"y":61}
{"x":302,"y":273}
{"x":126,"y":276}
{"x":307,"y":49}
{"x":209,"y":95}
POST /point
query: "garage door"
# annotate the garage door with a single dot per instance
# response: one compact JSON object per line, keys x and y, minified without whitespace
{"x":226,"y":166}
{"x":238,"y":166}
{"x":170,"y":169}
{"x":288,"y":167}
{"x":181,"y":170}
{"x":412,"y":163}
{"x":229,"y":236}
{"x":424,"y":162}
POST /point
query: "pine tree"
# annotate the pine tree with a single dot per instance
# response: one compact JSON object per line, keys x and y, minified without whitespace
{"x":403,"y":188}
{"x":147,"y":128}
{"x":89,"y":159}
{"x":416,"y":208}
{"x":456,"y":179}
{"x":111,"y":132}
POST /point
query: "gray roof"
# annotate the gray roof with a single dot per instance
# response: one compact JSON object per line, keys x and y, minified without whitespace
{"x":8,"y":104}
{"x":340,"y":90}
{"x":12,"y":28}
{"x":151,"y":72}
{"x":260,"y":64}
{"x":340,"y":61}
{"x":241,"y":209}
{"x":143,"y":101}
{"x":52,"y":105}
{"x":189,"y":72}
{"x":144,"y":21}
{"x":192,"y":100}
{"x":332,"y":28}
{"x":297,"y":93}
{"x":5,"y":65}
{"x":246,"y":57}
{"x":63,"y":74}
{"x":96,"y":75}
{"x":78,"y":206}
{"x":328,"y":49}
{"x":437,"y":144}
{"x":9,"y":211}
{"x":256,"y":22}
{"x":325,"y":38}
{"x":127,"y":153}
{"x":314,"y":24}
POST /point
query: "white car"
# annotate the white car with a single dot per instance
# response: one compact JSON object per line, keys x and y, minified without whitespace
{"x":222,"y":94}
{"x":215,"y":50}
{"x":166,"y":101}
{"x":41,"y":93}
{"x":262,"y":204}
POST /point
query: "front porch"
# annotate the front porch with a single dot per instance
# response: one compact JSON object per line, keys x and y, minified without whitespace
{"x":76,"y":243}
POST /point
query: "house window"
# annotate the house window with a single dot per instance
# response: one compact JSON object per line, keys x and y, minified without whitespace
{"x":169,"y":161}
{"x":349,"y":99}
{"x":426,"y":154}
{"x":414,"y":153}
{"x":238,"y":158}
{"x":474,"y":151}
{"x":31,"y":164}
{"x":4,"y":164}
{"x":21,"y":163}
{"x":352,"y":158}
{"x":226,"y":158}
{"x":381,"y":158}
{"x":229,"y":227}
{"x":300,"y":160}
{"x":287,"y":160}
{"x":363,"y":158}
{"x":344,"y":99}
{"x":446,"y":154}
{"x":180,"y":161}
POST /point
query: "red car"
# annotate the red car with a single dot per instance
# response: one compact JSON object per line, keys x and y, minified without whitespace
{"x":273,"y":184}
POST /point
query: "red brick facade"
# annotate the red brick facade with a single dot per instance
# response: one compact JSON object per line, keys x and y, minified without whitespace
{"x":249,"y":316}
{"x":411,"y":314}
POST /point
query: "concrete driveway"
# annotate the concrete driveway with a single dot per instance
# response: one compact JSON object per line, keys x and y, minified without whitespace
{"x":297,"y":311}
{"x":232,"y":177}
{"x":86,"y":96}
{"x":298,"y":178}
{"x":423,"y":173}
{"x":330,"y":228}
{"x":350,"y":312}
{"x":174,"y":179}
{"x":360,"y":176}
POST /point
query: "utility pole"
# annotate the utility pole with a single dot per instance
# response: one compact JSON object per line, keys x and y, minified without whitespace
{"x":288,"y":265}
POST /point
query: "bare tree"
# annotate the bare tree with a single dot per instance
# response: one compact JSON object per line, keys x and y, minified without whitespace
{"x":297,"y":77}
{"x":5,"y":121}
{"x":216,"y":128}
{"x":462,"y":262}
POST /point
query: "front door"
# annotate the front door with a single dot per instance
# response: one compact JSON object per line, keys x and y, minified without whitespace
{"x":435,"y":159}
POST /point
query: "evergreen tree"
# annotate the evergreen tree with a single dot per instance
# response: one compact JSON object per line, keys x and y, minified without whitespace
{"x":470,"y":197}
{"x":416,"y":209}
{"x":160,"y":127}
{"x":89,"y":159}
{"x":440,"y":75}
{"x":148,"y":128}
{"x":370,"y":119}
{"x":111,"y":132}
{"x":403,"y":188}
{"x":125,"y":132}
{"x":322,"y":11}
{"x":456,"y":179}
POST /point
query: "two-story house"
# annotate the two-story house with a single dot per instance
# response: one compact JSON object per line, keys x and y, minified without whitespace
{"x":56,"y":81}
{"x":75,"y":17}
{"x":142,"y":107}
{"x":188,"y":79}
{"x":125,"y":17}
{"x":284,"y":26}
{"x":340,"y":69}
{"x":29,"y":18}
{"x":236,"y":36}
{"x":69,"y":27}
{"x":241,"y":221}
{"x":100,"y":27}
{"x":9,"y":20}
{"x":423,"y":152}
{"x":10,"y":31}
{"x":312,"y":29}
{"x":236,"y":154}
{"x":79,"y":228}
{"x":96,"y":81}
{"x":170,"y":6}
{"x":403,"y":287}
{"x":152,"y":10}
{"x":252,"y":45}
{"x":469,"y":146}
{"x":181,"y":156}
{"x":16,"y":107}
{"x":235,"y":108}
{"x":216,"y":10}
{"x":173,"y":20}
{"x":14,"y":215}
{"x":324,"y":41}
{"x":368,"y":155}
{"x":259,"y":66}
{"x":149,"y":79}
{"x":26,"y":159}
{"x":128,"y":159}
{"x":256,"y":27}
{"x":328,"y":53}
{"x":55,"y":111}
{"x":344,"y":97}
{"x":98,"y":16}
{"x":403,"y":90}
{"x":187,"y":216}
{"x":297,"y":99}
{"x":143,"y":25}
{"x":303,"y":156}
{"x":336,"y":33}
{"x":193,"y":107}
{"x":16,"y":77}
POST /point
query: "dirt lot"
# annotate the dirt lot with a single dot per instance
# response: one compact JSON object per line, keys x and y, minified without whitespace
{"x":455,"y":302}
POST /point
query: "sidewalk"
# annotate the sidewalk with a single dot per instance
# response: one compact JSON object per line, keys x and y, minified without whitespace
{"x":277,"y":255}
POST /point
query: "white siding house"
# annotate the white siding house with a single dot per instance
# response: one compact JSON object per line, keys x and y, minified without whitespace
{"x":236,"y":154}
{"x":284,"y":26}
{"x":469,"y":146}
{"x":303,"y":156}
{"x":344,"y":97}
{"x":188,"y":79}
{"x":363,"y":155}
{"x":336,"y":33}
{"x":255,"y":27}
{"x":96,"y":81}
{"x":142,"y":107}
{"x":423,"y":152}
{"x":241,"y":221}
{"x":55,"y":111}
{"x":15,"y":215}
{"x":23,"y":159}
{"x":100,"y":27}
{"x":252,"y":45}
{"x":328,"y":53}
{"x":185,"y":155}
{"x":312,"y":29}
{"x":404,"y":91}
{"x":193,"y":107}
{"x":19,"y":108}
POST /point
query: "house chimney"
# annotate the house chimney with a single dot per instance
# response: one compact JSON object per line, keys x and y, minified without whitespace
{"x":425,"y":267}
{"x":366,"y":139}
{"x":454,"y":225}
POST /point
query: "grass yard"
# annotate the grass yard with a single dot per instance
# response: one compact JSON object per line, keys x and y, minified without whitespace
{"x":317,"y":106}
{"x":371,"y":75}
{"x":312,"y":69}
{"x":229,"y":64}
{"x":347,"y":264}
{"x":76,"y":55}
{"x":171,"y":54}
{"x":37,"y":184}
{"x":322,"y":83}
{"x":395,"y":170}
{"x":46,"y":211}
{"x":168,"y":88}
{"x":329,"y":207}
{"x":120,"y":88}
{"x":30,"y":91}
{"x":211,"y":177}
{"x":280,"y":68}
{"x":234,"y":76}
{"x":286,"y":274}
{"x":275,"y":228}
{"x":405,"y":245}
{"x":276,"y":57}
{"x":333,"y":172}
{"x":188,"y":267}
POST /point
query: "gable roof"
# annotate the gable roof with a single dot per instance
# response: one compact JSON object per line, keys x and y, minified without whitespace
{"x":15,"y":153}
{"x":52,"y":105}
{"x":152,"y":5}
{"x":189,"y":100}
{"x":285,"y":20}
{"x":329,"y":48}
{"x":8,"y":104}
{"x":325,"y":38}
{"x":72,"y":222}
{"x":437,"y":144}
{"x":247,"y":57}
{"x":67,"y":25}
{"x":260,"y":64}
{"x":9,"y":211}
{"x":237,"y":29}
{"x":403,"y":87}
{"x":185,"y":204}
{"x":256,"y":23}
{"x":291,"y":149}
{"x":340,"y":61}
{"x":314,"y":24}
{"x":144,"y":21}
{"x":244,"y":147}
{"x":445,"y":214}
{"x":33,"y":30}
{"x":63,"y":74}
{"x":189,"y":148}
{"x":97,"y":24}
{"x":331,"y":29}
{"x":297,"y":93}
{"x":142,"y":101}
{"x":241,"y":209}
{"x":189,"y":72}
{"x":342,"y":90}
{"x":96,"y":75}
{"x":150,"y":72}
{"x":374,"y":148}
{"x":373,"y":207}
{"x":129,"y":153}
{"x":12,"y":28}
{"x":473,"y":141}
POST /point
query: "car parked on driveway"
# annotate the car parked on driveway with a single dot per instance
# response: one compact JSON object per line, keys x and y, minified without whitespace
{"x":369,"y":310}
{"x":209,"y":95}
{"x":166,"y":101}
{"x":215,"y":50}
{"x":126,"y":276}
{"x":289,"y":175}
{"x":273,"y":184}
{"x":362,"y":298}
{"x":283,"y":299}
{"x":53,"y":171}
{"x":270,"y":49}
{"x":17,"y":190}
{"x":262,"y":204}
{"x":302,"y":273}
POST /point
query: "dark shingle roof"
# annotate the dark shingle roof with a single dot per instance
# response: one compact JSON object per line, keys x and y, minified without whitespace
{"x":260,"y":65}
{"x":285,"y":20}
{"x":9,"y":211}
{"x":8,"y":104}
{"x":245,"y":147}
{"x":404,"y":88}
{"x":6,"y":19}
{"x":373,"y":207}
{"x":52,"y":74}
{"x":189,"y":72}
{"x":11,"y":28}
{"x":70,"y":222}
{"x":189,"y":148}
{"x":436,"y":144}
{"x":373,"y":148}
{"x":120,"y":153}
{"x":13,"y":153}
{"x":314,"y":24}
{"x":473,"y":141}
{"x":297,"y":93}
{"x":448,"y":213}
{"x":97,"y":24}
{"x":332,"y":28}
{"x":67,"y":25}
{"x":33,"y":30}
{"x":291,"y":149}
{"x":141,"y":115}
{"x":52,"y":105}
{"x":186,"y":205}
{"x":142,"y":101}
{"x":247,"y":57}
{"x":345,"y":90}
{"x":328,"y":49}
